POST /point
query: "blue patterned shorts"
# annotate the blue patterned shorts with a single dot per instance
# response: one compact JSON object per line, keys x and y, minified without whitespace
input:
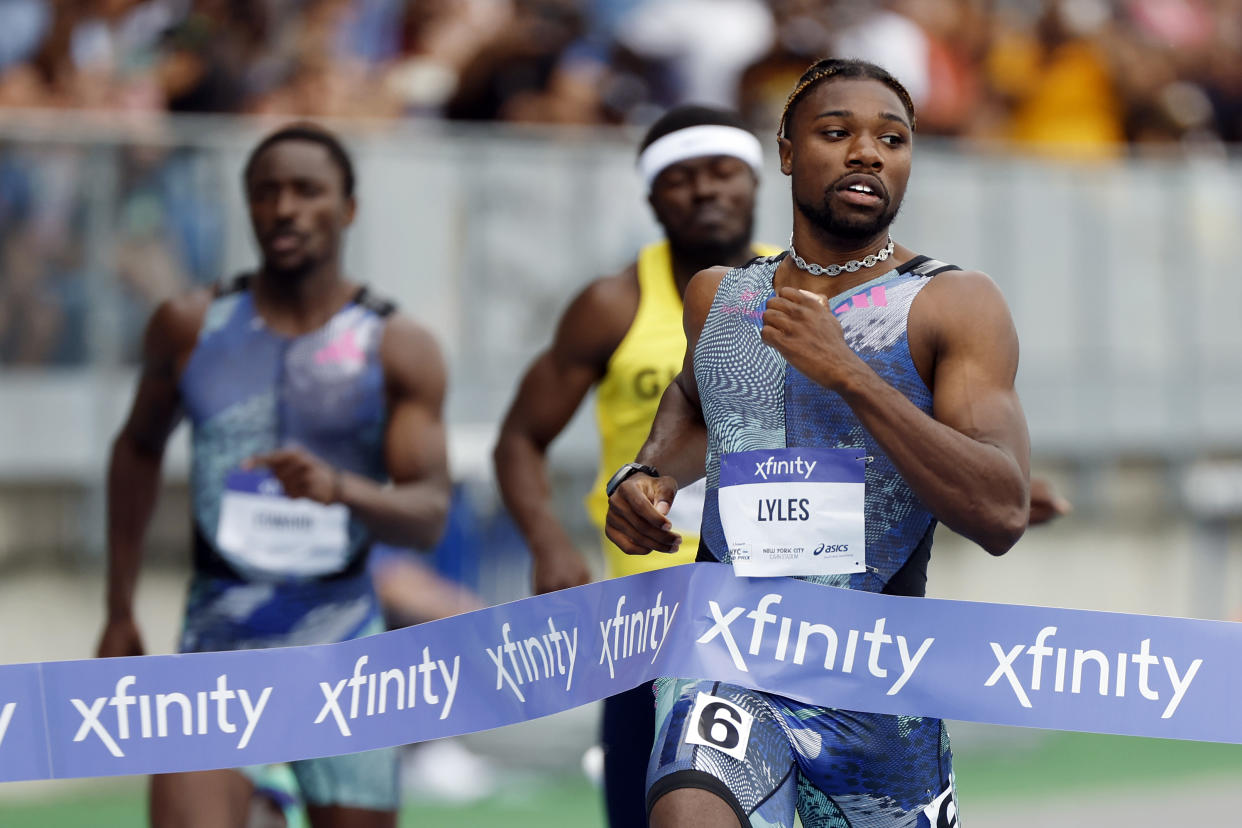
{"x":769,"y":757}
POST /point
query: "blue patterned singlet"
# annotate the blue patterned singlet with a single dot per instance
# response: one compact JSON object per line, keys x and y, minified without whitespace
{"x":753,"y":399}
{"x":834,"y":768}
{"x":248,"y":390}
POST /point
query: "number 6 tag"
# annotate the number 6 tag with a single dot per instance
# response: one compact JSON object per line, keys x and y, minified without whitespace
{"x":719,"y":724}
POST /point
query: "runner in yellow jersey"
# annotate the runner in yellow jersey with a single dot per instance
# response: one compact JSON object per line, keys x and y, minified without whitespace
{"x":628,"y":394}
{"x":623,"y":334}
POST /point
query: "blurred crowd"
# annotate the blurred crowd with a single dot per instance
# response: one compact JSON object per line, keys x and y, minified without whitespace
{"x":1071,"y":78}
{"x":1076,"y":76}
{"x":151,"y":231}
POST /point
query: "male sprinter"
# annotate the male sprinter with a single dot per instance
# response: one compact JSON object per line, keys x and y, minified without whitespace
{"x":294,"y":376}
{"x":854,"y":350}
{"x":623,"y":334}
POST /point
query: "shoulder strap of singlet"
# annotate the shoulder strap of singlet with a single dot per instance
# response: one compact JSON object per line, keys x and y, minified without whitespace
{"x":762,"y":258}
{"x":240,"y":283}
{"x":925,"y":266}
{"x":378,"y":305}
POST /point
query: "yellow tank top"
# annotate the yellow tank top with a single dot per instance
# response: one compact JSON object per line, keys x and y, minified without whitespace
{"x":626,"y":398}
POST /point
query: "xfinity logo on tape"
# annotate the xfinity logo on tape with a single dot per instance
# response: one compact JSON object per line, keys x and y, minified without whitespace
{"x":404,"y":693}
{"x":154,"y":713}
{"x":1009,"y":667}
{"x":632,"y":633}
{"x":798,"y":466}
{"x":815,"y":635}
{"x":527,"y":656}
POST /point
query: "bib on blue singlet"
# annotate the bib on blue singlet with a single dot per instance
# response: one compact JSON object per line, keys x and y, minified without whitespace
{"x":794,"y":511}
{"x":264,"y":533}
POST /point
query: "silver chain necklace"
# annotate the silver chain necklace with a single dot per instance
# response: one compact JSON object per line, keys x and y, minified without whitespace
{"x":836,"y":270}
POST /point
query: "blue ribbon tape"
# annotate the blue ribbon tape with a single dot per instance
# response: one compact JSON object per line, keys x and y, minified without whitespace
{"x":1014,"y":665}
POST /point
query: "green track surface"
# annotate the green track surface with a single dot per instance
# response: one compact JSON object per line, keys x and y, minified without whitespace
{"x":1075,"y":762}
{"x":567,"y":802}
{"x":1054,"y":763}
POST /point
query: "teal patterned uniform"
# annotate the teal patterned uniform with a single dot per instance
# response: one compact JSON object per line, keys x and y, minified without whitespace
{"x":248,"y":390}
{"x":835,"y":768}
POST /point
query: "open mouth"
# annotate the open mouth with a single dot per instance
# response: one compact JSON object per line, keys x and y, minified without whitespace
{"x":863,"y":190}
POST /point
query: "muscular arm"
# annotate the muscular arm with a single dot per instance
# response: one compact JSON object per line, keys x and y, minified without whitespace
{"x":134,"y":465}
{"x":412,"y":511}
{"x":676,"y":445}
{"x":969,"y":461}
{"x":551,"y":391}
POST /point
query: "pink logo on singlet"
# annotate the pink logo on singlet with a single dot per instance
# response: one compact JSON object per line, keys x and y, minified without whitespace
{"x":343,"y":350}
{"x":745,"y":297}
{"x":868,"y":299}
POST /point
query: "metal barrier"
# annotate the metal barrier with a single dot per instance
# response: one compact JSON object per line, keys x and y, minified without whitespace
{"x":1119,"y":274}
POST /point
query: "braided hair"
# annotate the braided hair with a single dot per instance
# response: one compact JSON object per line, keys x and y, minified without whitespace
{"x":827,"y":68}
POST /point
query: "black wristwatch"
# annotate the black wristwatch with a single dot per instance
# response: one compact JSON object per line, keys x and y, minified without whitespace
{"x":625,"y":472}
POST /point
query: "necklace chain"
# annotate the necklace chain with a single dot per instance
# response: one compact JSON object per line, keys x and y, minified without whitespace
{"x":836,"y":270}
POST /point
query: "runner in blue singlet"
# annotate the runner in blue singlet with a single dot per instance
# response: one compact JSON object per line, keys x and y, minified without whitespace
{"x":307,"y":397}
{"x":847,"y":344}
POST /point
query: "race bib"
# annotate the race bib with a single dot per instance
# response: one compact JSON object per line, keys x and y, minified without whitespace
{"x":263,"y":533}
{"x":721,"y":724}
{"x":796,"y":511}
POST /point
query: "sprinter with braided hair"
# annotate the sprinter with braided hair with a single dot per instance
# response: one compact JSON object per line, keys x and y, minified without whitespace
{"x":861,"y":353}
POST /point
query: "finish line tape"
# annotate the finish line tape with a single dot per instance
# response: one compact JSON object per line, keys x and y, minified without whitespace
{"x":1013,"y":665}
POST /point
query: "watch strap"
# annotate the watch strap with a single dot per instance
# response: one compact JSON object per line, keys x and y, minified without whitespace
{"x":626,"y":472}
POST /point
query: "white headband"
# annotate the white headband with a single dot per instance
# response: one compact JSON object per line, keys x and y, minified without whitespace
{"x":697,"y":142}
